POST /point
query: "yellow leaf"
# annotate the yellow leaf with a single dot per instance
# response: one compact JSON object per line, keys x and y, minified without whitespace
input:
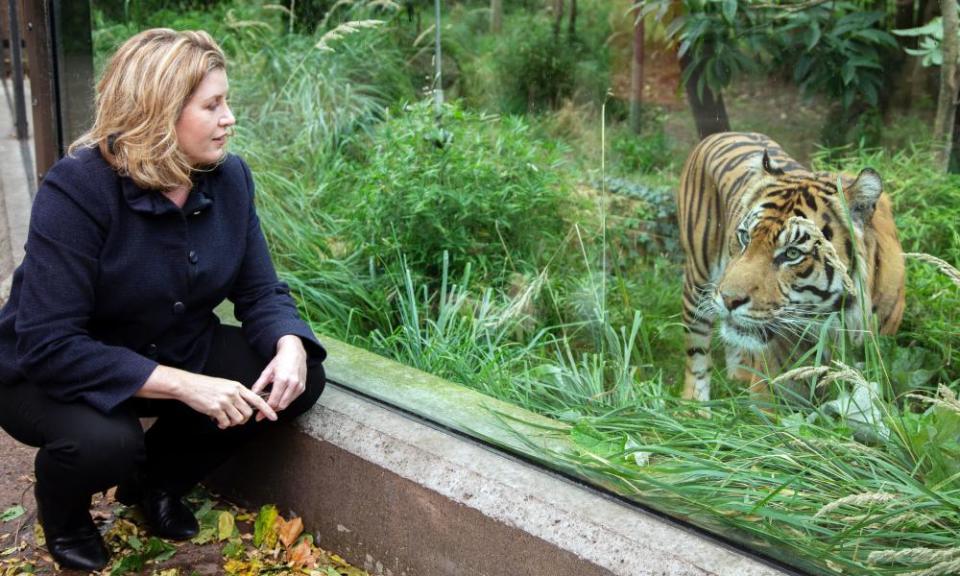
{"x":289,"y":531}
{"x":38,"y":538}
{"x":241,"y":568}
{"x":225,"y":524}
{"x":338,"y":560}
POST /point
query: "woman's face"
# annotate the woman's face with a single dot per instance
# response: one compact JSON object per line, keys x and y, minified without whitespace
{"x":202,"y":126}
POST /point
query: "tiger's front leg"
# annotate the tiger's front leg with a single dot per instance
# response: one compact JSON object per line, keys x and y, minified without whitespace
{"x":698,"y":327}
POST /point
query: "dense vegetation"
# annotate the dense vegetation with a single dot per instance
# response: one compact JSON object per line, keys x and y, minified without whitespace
{"x":523,"y":244}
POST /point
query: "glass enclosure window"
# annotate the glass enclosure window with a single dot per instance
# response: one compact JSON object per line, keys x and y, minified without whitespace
{"x":715,"y":240}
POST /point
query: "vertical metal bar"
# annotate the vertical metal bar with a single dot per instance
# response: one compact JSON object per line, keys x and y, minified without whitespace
{"x":73,"y":60}
{"x":20,"y":109}
{"x":5,"y":39}
{"x":37,"y":29}
{"x":438,"y":56}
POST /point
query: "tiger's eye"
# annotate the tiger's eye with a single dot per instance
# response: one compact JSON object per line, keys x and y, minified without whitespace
{"x":792,"y":253}
{"x":744,"y":237}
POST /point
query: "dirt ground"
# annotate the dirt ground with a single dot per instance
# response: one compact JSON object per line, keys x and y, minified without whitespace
{"x":16,"y":488}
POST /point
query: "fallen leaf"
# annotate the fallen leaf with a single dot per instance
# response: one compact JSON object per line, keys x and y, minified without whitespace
{"x":12,"y":513}
{"x":206,"y":534}
{"x":264,"y":528}
{"x":38,"y":537}
{"x":225,"y":525}
{"x":241,"y":568}
{"x":290,"y":530}
{"x":301,"y":556}
{"x":233,"y":549}
{"x":133,"y":563}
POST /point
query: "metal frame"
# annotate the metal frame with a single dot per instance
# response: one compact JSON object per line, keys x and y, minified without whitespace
{"x":59,"y":46}
{"x":16,"y":64}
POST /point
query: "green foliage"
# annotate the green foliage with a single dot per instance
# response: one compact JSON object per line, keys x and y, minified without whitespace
{"x":155,"y":550}
{"x":536,"y":68}
{"x":836,"y":48}
{"x":841,"y":51}
{"x":930,"y":49}
{"x":492,"y":195}
{"x":457,"y":334}
{"x":643,"y":153}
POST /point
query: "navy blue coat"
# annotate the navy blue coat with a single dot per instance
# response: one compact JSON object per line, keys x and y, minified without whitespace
{"x":117,"y":279}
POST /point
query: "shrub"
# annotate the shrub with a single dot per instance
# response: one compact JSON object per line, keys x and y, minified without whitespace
{"x":537,"y":69}
{"x":487,"y":193}
{"x":644,"y":153}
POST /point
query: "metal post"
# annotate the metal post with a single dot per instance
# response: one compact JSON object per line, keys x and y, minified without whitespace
{"x":5,"y":39}
{"x":37,"y":34}
{"x":60,"y":52}
{"x":438,"y":56}
{"x":16,"y":62}
{"x":73,"y":56}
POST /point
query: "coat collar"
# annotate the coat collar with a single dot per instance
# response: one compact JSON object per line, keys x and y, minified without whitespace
{"x":153,"y":202}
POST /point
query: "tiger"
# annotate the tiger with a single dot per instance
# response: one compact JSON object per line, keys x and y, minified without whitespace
{"x":772,"y":250}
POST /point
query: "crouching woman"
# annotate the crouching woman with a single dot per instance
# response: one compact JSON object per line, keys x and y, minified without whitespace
{"x":135,"y":237}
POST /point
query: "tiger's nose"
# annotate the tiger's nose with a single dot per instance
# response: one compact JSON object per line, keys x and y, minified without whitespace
{"x":733,"y":301}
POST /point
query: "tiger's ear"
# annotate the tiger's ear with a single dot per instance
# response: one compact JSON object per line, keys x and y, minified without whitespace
{"x":863,"y":194}
{"x":768,"y":165}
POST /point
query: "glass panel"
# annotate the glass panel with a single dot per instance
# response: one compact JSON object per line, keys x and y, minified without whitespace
{"x":531,"y":238}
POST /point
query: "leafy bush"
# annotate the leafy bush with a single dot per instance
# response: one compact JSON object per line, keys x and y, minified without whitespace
{"x":643,"y":153}
{"x":485,"y":191}
{"x":537,"y":70}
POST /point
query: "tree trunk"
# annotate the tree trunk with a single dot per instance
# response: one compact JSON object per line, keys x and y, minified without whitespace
{"x":899,"y":74}
{"x":636,"y":76}
{"x":709,"y":113}
{"x":904,"y":16}
{"x":496,"y":16}
{"x":918,"y":80}
{"x":558,"y":18}
{"x":946,"y":103}
{"x":572,"y":22}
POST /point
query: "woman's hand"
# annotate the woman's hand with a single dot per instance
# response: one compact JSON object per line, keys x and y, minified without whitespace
{"x":227,"y":402}
{"x":288,"y":373}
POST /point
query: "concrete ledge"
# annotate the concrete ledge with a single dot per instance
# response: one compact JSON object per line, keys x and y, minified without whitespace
{"x":401,"y":497}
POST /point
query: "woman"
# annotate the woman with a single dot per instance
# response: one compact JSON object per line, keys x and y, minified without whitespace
{"x":134,"y":238}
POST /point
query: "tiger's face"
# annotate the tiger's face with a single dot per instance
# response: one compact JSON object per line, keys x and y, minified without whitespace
{"x":788,"y":262}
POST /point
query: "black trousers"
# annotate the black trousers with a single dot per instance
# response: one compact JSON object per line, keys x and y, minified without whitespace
{"x":84,"y":451}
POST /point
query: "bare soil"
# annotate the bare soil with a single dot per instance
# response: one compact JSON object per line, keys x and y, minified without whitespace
{"x":16,"y":488}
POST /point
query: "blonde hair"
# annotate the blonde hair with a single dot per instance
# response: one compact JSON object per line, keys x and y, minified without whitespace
{"x":140,"y":96}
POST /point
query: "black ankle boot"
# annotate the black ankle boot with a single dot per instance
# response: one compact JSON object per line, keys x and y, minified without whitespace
{"x":168,"y":516}
{"x":72,"y":542}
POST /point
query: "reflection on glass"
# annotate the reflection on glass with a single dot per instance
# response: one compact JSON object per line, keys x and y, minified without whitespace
{"x":527,"y":242}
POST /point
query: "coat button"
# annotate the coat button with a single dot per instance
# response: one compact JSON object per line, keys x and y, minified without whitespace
{"x":192,"y":256}
{"x":152,"y":351}
{"x":178,"y":307}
